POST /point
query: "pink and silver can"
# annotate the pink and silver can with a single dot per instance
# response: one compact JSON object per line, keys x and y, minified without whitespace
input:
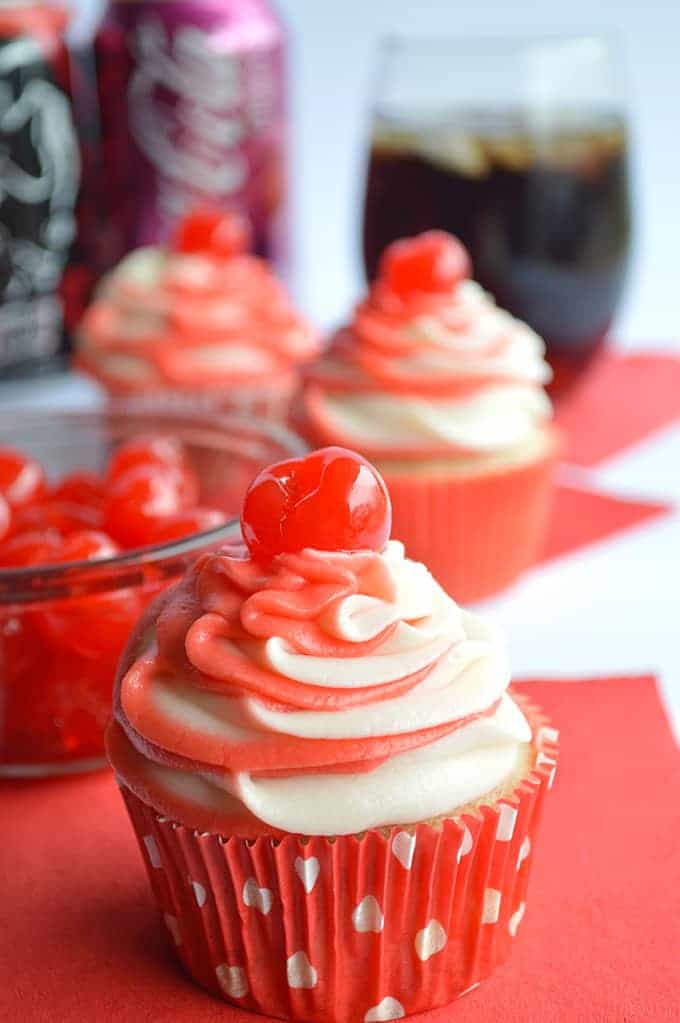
{"x":192,"y":101}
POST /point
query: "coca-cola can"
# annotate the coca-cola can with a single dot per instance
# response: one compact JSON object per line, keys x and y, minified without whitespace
{"x":40,"y":169}
{"x":192,"y":103}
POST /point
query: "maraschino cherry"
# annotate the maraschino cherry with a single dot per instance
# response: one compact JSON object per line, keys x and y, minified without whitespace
{"x":140,"y":497}
{"x":433,"y":262}
{"x":176,"y":527}
{"x":86,"y":545}
{"x":64,"y":516}
{"x":213,"y":231}
{"x":5,"y":517}
{"x":332,"y":500}
{"x":81,"y":488}
{"x":146,"y":450}
{"x":22,"y":478}
{"x":30,"y":548}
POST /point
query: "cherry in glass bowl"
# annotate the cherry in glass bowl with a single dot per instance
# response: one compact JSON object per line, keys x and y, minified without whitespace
{"x":63,"y":626}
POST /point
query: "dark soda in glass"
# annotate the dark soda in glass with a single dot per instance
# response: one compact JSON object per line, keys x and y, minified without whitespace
{"x":543,"y":210}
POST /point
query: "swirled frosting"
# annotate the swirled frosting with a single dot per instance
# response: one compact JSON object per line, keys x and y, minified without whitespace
{"x":327,"y":694}
{"x":167,"y":319}
{"x":430,"y":374}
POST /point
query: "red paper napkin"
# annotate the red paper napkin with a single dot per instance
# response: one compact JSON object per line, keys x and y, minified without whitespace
{"x":622,"y":400}
{"x":583,"y":517}
{"x":79,"y":939}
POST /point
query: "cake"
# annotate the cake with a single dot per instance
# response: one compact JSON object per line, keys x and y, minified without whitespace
{"x":444,"y":392}
{"x":200,"y":319}
{"x":336,"y":793}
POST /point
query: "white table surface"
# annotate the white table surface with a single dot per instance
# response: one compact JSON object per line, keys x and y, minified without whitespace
{"x":610,"y":609}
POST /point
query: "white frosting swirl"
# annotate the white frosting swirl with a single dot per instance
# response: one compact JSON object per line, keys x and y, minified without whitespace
{"x":492,"y":419}
{"x":424,"y":783}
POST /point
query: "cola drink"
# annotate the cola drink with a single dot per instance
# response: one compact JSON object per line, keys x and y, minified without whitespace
{"x":192,"y":107}
{"x":545,"y":216}
{"x":40,"y":167}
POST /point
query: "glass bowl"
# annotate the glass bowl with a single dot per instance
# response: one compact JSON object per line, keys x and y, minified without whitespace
{"x":63,"y":627}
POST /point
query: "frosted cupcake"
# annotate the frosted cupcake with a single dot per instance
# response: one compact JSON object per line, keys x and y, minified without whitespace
{"x":201,"y":319}
{"x":444,"y":392}
{"x":335,"y":793}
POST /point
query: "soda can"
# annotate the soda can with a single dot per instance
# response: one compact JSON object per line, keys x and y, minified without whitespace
{"x":39,"y":183}
{"x":192,"y":104}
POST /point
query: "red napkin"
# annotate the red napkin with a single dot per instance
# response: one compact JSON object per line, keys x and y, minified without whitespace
{"x":622,"y":400}
{"x":582,"y":517}
{"x":79,"y":939}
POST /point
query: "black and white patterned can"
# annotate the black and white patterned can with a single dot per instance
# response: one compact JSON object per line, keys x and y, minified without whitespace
{"x":39,"y":184}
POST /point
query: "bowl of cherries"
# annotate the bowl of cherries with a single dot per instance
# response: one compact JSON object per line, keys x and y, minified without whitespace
{"x":99,"y":511}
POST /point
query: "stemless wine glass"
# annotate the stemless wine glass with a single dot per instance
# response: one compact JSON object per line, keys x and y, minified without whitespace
{"x":519,"y":147}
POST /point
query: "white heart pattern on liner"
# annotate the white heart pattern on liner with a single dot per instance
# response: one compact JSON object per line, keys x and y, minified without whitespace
{"x":492,"y":906}
{"x":466,"y":843}
{"x":301,"y":973}
{"x":543,"y":758}
{"x":546,"y":734}
{"x":524,"y":850}
{"x":388,"y":1009}
{"x":516,"y":919}
{"x":368,"y":916}
{"x":430,"y":940}
{"x":232,"y":980}
{"x":507,"y":818}
{"x":200,"y":893}
{"x":308,"y":871}
{"x":170,"y":922}
{"x":152,"y":851}
{"x":404,"y":847}
{"x":256,"y":897}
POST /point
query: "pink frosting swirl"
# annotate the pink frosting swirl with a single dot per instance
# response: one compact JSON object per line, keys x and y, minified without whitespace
{"x":197,"y":321}
{"x":421,"y":374}
{"x":328,"y":663}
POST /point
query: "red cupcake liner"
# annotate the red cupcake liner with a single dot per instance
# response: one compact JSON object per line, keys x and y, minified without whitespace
{"x":355,"y":928}
{"x":477,"y":533}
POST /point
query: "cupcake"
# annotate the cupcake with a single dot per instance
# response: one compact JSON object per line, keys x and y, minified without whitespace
{"x":335,"y":793}
{"x":444,"y":392}
{"x":202,"y":319}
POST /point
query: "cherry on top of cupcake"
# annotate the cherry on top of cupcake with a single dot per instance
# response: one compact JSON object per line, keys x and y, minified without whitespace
{"x":208,"y":230}
{"x":431,"y":263}
{"x":149,"y":494}
{"x":330,"y":500}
